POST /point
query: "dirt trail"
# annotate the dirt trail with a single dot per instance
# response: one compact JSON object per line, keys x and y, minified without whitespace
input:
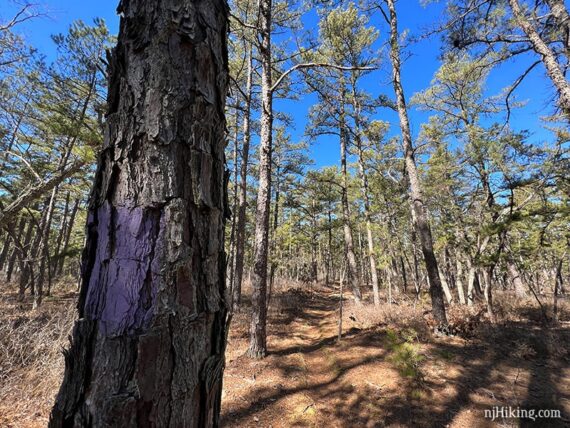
{"x":310,"y":380}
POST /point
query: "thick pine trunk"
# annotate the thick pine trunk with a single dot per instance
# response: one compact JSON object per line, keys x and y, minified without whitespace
{"x":148,"y":348}
{"x":417,"y":201}
{"x":258,"y":339}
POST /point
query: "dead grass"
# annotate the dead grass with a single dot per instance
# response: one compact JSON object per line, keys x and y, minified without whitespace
{"x":388,"y":367}
{"x":31,"y":361}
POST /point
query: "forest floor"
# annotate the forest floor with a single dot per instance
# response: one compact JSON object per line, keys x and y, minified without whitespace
{"x":389,"y":369}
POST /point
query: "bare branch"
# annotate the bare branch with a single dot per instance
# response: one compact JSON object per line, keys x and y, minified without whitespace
{"x":36,"y":191}
{"x":315,"y":65}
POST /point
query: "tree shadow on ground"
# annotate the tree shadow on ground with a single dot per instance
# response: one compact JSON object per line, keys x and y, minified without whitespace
{"x":487,"y":375}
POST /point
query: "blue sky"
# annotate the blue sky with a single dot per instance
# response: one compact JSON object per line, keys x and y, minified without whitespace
{"x":418,"y":69}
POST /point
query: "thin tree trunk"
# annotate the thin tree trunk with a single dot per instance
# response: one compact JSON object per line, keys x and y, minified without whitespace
{"x":558,"y":282}
{"x":24,"y":262}
{"x":516,"y":279}
{"x":240,"y":227}
{"x":43,"y":250}
{"x":352,"y":268}
{"x":418,"y":208}
{"x":487,"y":293}
{"x":148,"y":348}
{"x":370,"y":239}
{"x":6,"y":248}
{"x":258,"y":338}
{"x":14,"y":253}
{"x":329,"y":267}
{"x":60,"y":235}
{"x":417,"y":282}
{"x":273,"y":266}
{"x":232,"y":243}
{"x":68,"y":231}
{"x":459,"y":279}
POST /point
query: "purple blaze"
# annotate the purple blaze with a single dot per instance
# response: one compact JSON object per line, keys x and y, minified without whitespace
{"x":122,"y":286}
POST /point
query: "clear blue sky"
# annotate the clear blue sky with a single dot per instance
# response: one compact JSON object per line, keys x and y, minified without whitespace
{"x":417,"y":72}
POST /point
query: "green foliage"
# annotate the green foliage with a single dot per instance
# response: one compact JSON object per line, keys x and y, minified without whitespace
{"x":405,"y":353}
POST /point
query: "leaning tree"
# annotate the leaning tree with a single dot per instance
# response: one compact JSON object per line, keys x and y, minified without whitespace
{"x":148,"y":348}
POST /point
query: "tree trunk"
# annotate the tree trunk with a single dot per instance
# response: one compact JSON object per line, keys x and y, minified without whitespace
{"x":553,"y":69}
{"x":330,"y":267}
{"x":44,"y":251}
{"x":6,"y":247}
{"x":60,"y":235}
{"x":459,"y":279}
{"x":258,"y":339}
{"x":516,"y":279}
{"x":418,"y":208}
{"x":353,"y":275}
{"x":14,"y":253}
{"x":232,"y":243}
{"x":24,"y":263}
{"x":370,"y":239}
{"x":148,"y":349}
{"x":562,"y":18}
{"x":68,"y":230}
{"x":558,"y":284}
{"x":487,"y":277}
{"x":273,"y":266}
{"x":242,"y":203}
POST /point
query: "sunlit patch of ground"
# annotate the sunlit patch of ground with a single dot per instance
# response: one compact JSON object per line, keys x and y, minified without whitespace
{"x":389,"y":369}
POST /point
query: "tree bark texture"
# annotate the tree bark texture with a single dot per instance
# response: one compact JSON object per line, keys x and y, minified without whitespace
{"x":148,"y":348}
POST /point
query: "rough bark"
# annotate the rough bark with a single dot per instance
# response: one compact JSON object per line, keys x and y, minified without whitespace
{"x":417,"y":201}
{"x":258,"y":339}
{"x":148,"y":348}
